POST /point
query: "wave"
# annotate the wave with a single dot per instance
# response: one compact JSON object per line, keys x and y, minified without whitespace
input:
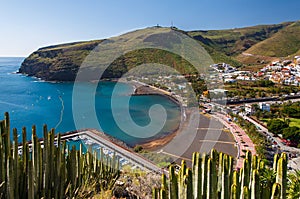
{"x":61,"y":112}
{"x":12,"y":104}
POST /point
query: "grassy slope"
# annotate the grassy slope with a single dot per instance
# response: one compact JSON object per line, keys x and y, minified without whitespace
{"x":284,"y":43}
{"x":63,"y":55}
{"x":235,"y":41}
{"x":59,"y":60}
{"x":219,"y":57}
{"x":293,"y":121}
{"x":222,"y":45}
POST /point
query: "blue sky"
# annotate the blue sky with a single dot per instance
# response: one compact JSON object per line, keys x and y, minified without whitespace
{"x":29,"y":25}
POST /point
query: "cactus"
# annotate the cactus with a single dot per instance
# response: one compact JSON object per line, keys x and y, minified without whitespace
{"x":181,"y":175}
{"x":255,"y":161}
{"x":236,"y":182}
{"x":155,"y":193}
{"x":188,"y":182}
{"x":276,"y":191}
{"x":281,"y":175}
{"x":262,"y":165}
{"x":43,"y":173}
{"x":173,"y":183}
{"x":51,"y":172}
{"x":220,"y":169}
{"x":230,"y":170}
{"x":15,"y":166}
{"x":225,"y":178}
{"x":214,"y":182}
{"x":245,"y":175}
{"x":211,"y":179}
{"x":163,"y":194}
{"x":276,"y":157}
{"x":164,"y":182}
{"x":245,"y":193}
{"x":244,"y":184}
{"x":197,"y":176}
{"x":234,"y":194}
{"x":204,"y":175}
{"x":255,"y":185}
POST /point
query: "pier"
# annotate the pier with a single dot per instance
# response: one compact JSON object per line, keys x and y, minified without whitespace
{"x":96,"y":137}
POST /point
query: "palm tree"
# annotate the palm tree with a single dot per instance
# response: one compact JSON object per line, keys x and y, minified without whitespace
{"x":294,"y":185}
{"x":267,"y":178}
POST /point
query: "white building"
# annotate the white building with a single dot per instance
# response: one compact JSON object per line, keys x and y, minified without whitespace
{"x":248,"y":109}
{"x":264,"y":106}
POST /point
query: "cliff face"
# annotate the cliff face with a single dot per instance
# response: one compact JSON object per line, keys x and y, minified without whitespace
{"x":59,"y":62}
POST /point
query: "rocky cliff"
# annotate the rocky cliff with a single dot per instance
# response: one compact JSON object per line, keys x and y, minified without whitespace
{"x":59,"y":62}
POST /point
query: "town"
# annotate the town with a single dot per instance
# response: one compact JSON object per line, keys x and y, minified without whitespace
{"x":220,"y":103}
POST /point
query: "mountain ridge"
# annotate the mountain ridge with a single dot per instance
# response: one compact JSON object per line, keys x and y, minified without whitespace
{"x":61,"y":62}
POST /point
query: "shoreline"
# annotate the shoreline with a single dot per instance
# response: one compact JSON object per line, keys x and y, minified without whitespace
{"x":162,"y":141}
{"x":142,"y":89}
{"x":145,"y":89}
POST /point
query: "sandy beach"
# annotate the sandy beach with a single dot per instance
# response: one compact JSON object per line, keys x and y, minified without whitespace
{"x":225,"y":142}
{"x":144,"y":89}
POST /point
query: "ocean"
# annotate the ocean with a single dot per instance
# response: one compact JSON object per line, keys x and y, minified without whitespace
{"x":31,"y":101}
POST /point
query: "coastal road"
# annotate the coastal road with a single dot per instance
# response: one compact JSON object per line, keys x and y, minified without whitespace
{"x":243,"y":142}
{"x":264,"y":129}
{"x":294,"y":163}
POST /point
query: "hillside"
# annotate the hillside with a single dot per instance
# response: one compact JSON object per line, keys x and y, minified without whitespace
{"x":235,"y":41}
{"x":284,"y":43}
{"x":59,"y":62}
{"x":246,"y":46}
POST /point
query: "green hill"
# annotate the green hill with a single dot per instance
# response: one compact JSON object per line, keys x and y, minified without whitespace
{"x":58,"y":62}
{"x":240,"y":46}
{"x":235,"y":41}
{"x":282,"y":44}
{"x":61,"y":62}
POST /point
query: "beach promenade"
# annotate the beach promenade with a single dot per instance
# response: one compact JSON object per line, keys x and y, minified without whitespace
{"x":243,"y":142}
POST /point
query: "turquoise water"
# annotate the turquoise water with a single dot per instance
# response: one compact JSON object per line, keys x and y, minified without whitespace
{"x":31,"y":101}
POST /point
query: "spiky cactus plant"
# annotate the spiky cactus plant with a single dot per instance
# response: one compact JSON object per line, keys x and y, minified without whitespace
{"x":281,"y":175}
{"x":243,"y":184}
{"x":46,"y":170}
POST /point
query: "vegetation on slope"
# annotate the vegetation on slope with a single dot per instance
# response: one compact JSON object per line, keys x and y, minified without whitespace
{"x":61,"y":62}
{"x":220,"y":57}
{"x":235,"y":41}
{"x":257,"y":89}
{"x":282,"y":44}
